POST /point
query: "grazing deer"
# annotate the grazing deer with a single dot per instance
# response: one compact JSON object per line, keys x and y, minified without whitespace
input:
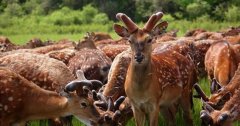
{"x":225,"y":116}
{"x":22,"y":101}
{"x":219,"y":98}
{"x":221,"y":62}
{"x":155,"y":80}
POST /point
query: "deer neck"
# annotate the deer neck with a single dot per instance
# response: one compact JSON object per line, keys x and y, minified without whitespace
{"x":46,"y":104}
{"x":140,"y":72}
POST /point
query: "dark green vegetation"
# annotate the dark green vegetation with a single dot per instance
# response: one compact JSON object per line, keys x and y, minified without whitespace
{"x":21,"y":20}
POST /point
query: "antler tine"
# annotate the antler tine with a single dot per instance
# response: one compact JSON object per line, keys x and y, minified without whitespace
{"x":131,"y":26}
{"x":110,"y":104}
{"x":152,"y":21}
{"x":200,"y":92}
{"x":207,"y":107}
{"x":159,"y":16}
{"x":118,"y":102}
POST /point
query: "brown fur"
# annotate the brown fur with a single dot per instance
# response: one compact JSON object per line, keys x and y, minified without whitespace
{"x":46,"y":72}
{"x":152,"y":76}
{"x":93,"y":62}
{"x":21,"y":101}
{"x":231,"y":109}
{"x":6,"y":44}
{"x":113,"y":50}
{"x":220,"y":62}
{"x":229,"y":88}
{"x":194,"y":32}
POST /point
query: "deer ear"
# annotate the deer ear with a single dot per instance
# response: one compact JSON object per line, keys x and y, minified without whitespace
{"x":160,"y":28}
{"x":121,"y":31}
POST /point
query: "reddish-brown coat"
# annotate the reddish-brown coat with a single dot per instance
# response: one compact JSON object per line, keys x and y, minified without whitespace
{"x":22,"y":101}
{"x":46,"y":72}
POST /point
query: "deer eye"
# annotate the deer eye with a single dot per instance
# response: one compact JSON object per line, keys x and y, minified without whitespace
{"x":149,"y":40}
{"x":84,"y":104}
{"x":129,"y":41}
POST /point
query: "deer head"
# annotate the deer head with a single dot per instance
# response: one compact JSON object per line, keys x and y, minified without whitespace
{"x":217,"y":99}
{"x":140,"y":39}
{"x":211,"y":117}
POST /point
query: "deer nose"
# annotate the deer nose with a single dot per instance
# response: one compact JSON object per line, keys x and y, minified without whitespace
{"x":139,"y":57}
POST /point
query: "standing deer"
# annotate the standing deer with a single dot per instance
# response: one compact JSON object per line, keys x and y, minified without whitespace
{"x":155,"y":80}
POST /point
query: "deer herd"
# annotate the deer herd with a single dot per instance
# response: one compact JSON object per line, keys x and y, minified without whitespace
{"x":106,"y":82}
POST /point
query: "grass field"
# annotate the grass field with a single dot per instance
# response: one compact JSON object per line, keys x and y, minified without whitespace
{"x":22,"y":33}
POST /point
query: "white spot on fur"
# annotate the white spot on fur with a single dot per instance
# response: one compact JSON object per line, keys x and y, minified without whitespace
{"x":5,"y":108}
{"x":159,"y":80}
{"x":10,"y":98}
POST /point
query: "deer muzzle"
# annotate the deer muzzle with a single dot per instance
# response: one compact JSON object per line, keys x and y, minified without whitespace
{"x":139,"y":57}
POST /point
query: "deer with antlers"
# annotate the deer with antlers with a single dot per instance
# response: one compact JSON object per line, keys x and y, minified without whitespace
{"x":22,"y":100}
{"x":225,"y":116}
{"x":155,"y":80}
{"x":220,"y":97}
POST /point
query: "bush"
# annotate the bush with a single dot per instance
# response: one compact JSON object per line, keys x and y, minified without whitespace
{"x":101,"y":18}
{"x":14,"y":9}
{"x":87,"y":14}
{"x":218,"y":12}
{"x":64,"y":16}
{"x":203,"y":18}
{"x":198,"y":8}
{"x":168,"y":17}
{"x":5,"y":21}
{"x":232,"y":14}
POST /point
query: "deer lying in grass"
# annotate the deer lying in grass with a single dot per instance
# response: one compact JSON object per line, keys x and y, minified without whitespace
{"x":155,"y":81}
{"x":21,"y":101}
{"x":6,"y":44}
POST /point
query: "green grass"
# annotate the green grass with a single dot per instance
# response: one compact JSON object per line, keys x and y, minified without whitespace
{"x":22,"y":33}
{"x":21,"y":39}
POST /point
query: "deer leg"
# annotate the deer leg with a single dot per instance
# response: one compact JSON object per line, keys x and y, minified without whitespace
{"x":23,"y":123}
{"x":139,"y":116}
{"x":186,"y":107}
{"x":169,"y":114}
{"x":154,"y":117}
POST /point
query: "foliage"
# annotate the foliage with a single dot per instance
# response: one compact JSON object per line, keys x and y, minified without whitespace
{"x":14,"y":9}
{"x":139,"y":10}
{"x":232,"y":14}
{"x":198,"y":8}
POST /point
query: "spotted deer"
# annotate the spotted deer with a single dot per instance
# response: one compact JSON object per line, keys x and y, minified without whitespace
{"x":219,"y":98}
{"x":155,"y":81}
{"x":225,"y":116}
{"x":46,"y":72}
{"x":22,"y":100}
{"x":6,"y":44}
{"x":221,"y":62}
{"x":114,"y":89}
